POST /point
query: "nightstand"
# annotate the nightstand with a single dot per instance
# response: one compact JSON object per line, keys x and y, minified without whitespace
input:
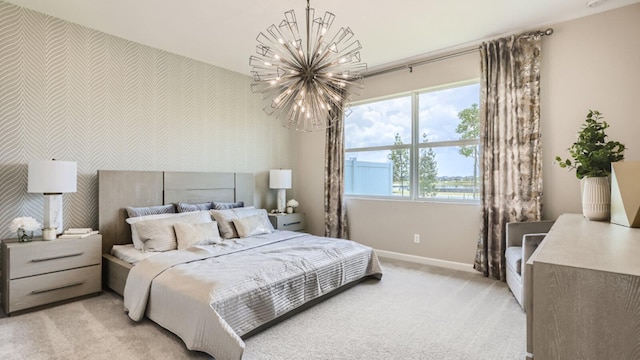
{"x":43,"y":272}
{"x":292,"y":222}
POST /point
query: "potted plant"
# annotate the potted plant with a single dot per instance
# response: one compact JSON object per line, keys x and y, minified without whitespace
{"x":592,"y":157}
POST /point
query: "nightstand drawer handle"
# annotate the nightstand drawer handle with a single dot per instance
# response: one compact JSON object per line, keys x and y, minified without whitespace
{"x":57,"y":257}
{"x":34,"y":292}
{"x":293,"y":223}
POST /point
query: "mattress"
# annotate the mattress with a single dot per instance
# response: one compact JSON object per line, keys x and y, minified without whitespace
{"x":129,"y":253}
{"x":211,"y":295}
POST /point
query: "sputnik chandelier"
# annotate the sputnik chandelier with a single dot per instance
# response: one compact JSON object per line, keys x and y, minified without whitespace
{"x":306,"y":90}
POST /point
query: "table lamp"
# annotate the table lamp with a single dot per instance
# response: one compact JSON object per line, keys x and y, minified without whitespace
{"x":280,"y":180}
{"x":52,"y":178}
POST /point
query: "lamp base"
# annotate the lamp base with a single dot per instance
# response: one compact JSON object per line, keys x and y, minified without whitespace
{"x":282,"y":199}
{"x":52,"y":218}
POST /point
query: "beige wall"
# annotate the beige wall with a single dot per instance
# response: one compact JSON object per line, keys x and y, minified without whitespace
{"x":588,"y":63}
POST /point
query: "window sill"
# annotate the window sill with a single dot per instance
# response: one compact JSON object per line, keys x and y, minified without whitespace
{"x":399,"y":199}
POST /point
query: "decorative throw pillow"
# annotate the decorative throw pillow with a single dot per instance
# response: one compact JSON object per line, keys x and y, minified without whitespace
{"x":196,"y":234}
{"x":150,"y":210}
{"x":225,"y":219}
{"x":135,"y":238}
{"x":159,"y":235}
{"x":227,"y":205}
{"x":184,"y":207}
{"x":251,"y":225}
{"x":250,"y":211}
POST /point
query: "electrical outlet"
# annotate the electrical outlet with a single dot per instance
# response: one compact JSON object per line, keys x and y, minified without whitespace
{"x":416,"y":238}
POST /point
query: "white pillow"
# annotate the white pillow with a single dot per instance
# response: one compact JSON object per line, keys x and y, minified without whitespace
{"x":250,"y":211}
{"x":159,"y":235}
{"x":252,"y":225}
{"x":225,"y":219}
{"x":197,"y":234}
{"x":135,"y":238}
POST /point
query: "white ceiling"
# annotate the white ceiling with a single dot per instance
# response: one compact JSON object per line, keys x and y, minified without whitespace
{"x":223,"y":33}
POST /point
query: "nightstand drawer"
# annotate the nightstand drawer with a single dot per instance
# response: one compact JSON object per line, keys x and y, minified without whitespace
{"x":291,"y":222}
{"x":41,"y":257}
{"x":44,"y":289}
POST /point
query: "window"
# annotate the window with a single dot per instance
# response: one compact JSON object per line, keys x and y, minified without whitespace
{"x":422,"y":145}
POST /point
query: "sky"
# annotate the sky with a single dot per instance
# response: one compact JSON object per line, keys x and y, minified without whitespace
{"x":376,"y":124}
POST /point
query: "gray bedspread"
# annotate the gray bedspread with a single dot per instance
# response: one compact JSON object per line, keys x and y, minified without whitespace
{"x":212,"y":295}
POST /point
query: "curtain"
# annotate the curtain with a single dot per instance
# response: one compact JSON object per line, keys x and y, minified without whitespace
{"x":511,"y":187}
{"x":335,"y":214}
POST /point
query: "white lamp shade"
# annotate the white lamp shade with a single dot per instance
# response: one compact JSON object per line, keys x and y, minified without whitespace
{"x":280,"y":179}
{"x":52,"y":176}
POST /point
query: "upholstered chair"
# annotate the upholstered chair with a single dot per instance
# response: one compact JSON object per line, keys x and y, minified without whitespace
{"x":522,"y":240}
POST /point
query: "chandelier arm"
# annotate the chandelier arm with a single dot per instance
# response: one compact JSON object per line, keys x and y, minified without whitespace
{"x":306,"y":90}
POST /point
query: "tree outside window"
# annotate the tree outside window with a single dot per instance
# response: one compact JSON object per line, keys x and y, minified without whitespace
{"x":428,"y":171}
{"x":400,"y":160}
{"x":469,"y":129}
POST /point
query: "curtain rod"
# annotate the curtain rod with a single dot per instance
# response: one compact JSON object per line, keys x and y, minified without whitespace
{"x":410,"y":66}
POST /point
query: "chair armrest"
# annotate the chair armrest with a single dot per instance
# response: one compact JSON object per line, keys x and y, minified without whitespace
{"x":530,"y":244}
{"x":516,"y":230}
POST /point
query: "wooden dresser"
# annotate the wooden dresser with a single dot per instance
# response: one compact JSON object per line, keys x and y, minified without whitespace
{"x":43,"y":272}
{"x":586,"y":292}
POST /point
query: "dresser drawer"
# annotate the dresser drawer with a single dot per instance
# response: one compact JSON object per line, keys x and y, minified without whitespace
{"x":28,"y":259}
{"x":47,"y":288}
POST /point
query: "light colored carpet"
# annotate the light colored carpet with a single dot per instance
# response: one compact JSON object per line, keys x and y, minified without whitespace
{"x":414,"y":312}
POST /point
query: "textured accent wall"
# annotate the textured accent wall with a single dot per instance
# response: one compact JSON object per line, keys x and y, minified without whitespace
{"x":72,"y":93}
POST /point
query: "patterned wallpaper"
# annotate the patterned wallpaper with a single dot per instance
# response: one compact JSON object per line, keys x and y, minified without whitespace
{"x":72,"y":93}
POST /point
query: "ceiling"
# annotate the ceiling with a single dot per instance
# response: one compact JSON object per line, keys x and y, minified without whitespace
{"x":223,"y":33}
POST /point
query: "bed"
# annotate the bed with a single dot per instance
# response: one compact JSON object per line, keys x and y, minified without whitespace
{"x":214,"y":296}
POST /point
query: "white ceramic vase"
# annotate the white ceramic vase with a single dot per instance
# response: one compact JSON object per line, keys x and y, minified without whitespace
{"x":596,"y":198}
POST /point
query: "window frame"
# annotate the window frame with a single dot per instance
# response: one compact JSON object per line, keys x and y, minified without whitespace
{"x":415,"y":146}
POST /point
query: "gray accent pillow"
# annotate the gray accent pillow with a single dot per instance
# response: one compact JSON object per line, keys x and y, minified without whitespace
{"x":227,"y":205}
{"x":185,"y":207}
{"x":150,"y":210}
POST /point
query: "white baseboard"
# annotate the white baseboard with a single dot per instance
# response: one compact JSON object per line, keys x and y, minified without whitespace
{"x":427,"y":261}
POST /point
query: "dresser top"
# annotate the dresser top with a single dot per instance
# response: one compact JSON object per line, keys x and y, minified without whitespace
{"x":598,"y":245}
{"x":37,"y":241}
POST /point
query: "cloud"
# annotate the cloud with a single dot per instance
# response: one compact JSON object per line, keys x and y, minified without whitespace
{"x":377,"y":123}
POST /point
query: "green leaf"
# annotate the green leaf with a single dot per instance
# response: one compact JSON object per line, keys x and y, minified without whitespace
{"x":592,"y":154}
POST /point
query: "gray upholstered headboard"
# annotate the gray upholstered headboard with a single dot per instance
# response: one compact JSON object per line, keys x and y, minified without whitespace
{"x":119,"y":189}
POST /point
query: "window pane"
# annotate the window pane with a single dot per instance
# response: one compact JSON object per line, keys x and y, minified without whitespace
{"x":441,"y":112}
{"x":377,"y":123}
{"x":445,"y":121}
{"x":381,"y":173}
{"x":449,"y":172}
